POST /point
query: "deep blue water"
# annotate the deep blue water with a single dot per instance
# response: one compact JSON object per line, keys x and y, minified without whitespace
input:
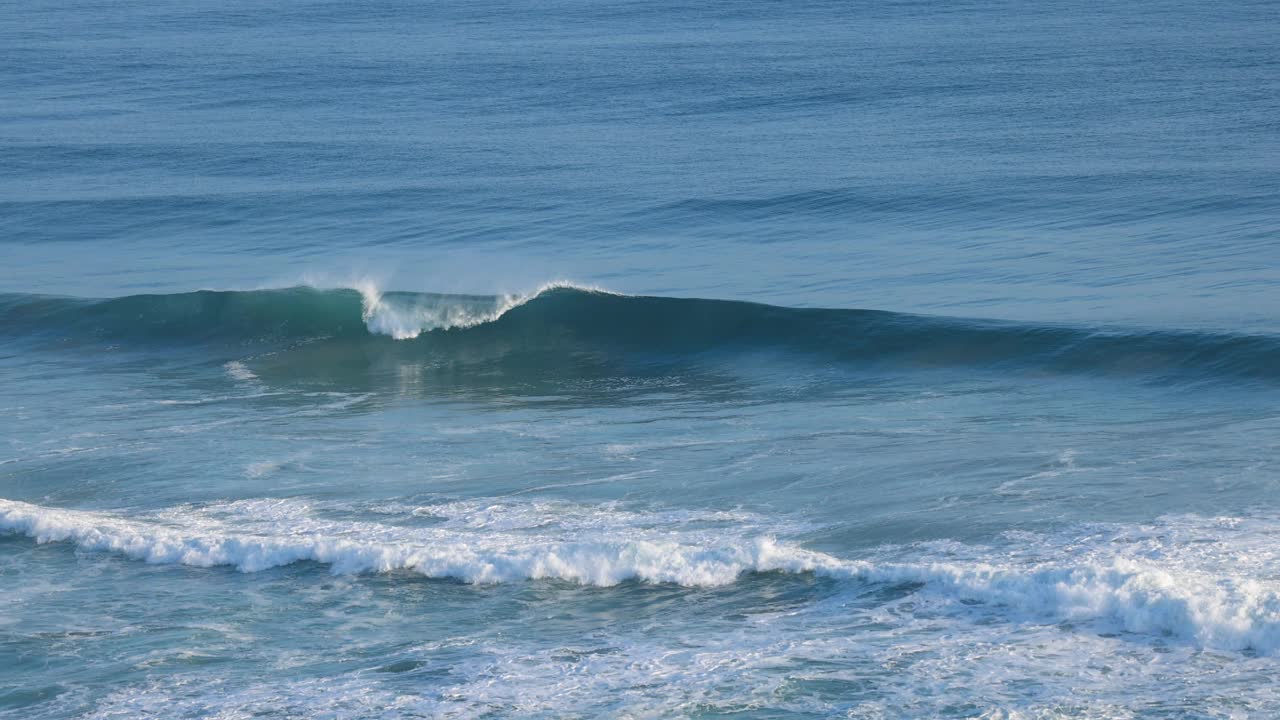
{"x":740,"y":359}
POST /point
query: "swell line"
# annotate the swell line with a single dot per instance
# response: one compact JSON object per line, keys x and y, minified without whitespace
{"x":565,"y":321}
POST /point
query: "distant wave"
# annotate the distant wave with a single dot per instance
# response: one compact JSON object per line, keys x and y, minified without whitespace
{"x":1197,"y":579}
{"x":579,"y":321}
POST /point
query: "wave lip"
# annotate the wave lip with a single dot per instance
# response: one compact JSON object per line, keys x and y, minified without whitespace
{"x":405,"y":316}
{"x":1210,"y":582}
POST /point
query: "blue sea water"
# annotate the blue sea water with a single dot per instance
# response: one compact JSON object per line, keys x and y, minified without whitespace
{"x":565,"y":359}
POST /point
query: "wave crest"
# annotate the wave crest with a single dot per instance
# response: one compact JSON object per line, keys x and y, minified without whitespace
{"x":406,"y":316}
{"x":252,"y":541}
{"x":1211,"y":581}
{"x":593,"y":327}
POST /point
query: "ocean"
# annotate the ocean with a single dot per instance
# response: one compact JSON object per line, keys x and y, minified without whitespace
{"x":563,"y":359}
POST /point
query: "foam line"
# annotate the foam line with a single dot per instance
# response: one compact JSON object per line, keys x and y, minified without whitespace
{"x":1211,"y":596}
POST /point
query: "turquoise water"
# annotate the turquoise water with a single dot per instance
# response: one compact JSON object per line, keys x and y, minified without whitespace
{"x":638,"y":360}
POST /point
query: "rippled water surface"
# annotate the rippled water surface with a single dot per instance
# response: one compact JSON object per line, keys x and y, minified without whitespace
{"x":757,"y":360}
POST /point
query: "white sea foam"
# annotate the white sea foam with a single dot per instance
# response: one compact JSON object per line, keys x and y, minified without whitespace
{"x":822,"y":661}
{"x":407,"y":319}
{"x":1211,"y":582}
{"x":262,"y":468}
{"x":237,"y":371}
{"x":253,"y":536}
{"x":1234,"y":613}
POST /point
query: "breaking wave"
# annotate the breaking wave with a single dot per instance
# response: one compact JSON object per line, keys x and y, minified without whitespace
{"x":405,"y":317}
{"x":564,"y":320}
{"x":1209,"y":581}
